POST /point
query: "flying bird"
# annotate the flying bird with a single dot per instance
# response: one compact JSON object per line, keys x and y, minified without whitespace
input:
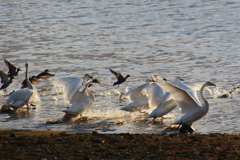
{"x":12,"y":70}
{"x":45,"y":75}
{"x":5,"y":81}
{"x":120,"y":78}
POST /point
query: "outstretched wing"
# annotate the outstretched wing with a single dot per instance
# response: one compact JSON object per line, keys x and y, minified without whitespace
{"x":117,"y":74}
{"x":4,"y":77}
{"x":184,"y":96}
{"x":11,"y":67}
{"x":71,"y":85}
{"x":155,"y":96}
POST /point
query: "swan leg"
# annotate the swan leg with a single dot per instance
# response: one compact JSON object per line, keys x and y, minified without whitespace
{"x":186,"y":129}
{"x":154,"y":119}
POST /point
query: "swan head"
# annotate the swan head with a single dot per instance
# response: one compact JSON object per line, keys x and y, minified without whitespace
{"x":208,"y":83}
{"x":156,"y":78}
{"x":86,"y":76}
{"x":26,"y":64}
{"x":179,"y":79}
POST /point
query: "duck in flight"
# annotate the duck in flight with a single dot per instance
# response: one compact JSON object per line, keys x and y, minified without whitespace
{"x":45,"y":75}
{"x":120,"y":78}
{"x":12,"y":70}
{"x":5,"y":81}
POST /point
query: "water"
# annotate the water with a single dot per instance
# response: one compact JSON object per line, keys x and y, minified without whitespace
{"x":198,"y":40}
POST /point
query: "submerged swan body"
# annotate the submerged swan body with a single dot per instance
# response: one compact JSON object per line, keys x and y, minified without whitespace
{"x":21,"y":97}
{"x":187,"y":100}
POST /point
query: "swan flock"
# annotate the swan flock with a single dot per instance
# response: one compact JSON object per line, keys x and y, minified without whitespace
{"x":158,"y":94}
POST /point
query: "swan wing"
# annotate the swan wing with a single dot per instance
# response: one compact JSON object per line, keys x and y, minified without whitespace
{"x":155,"y":96}
{"x":71,"y":85}
{"x":189,"y":90}
{"x":80,"y":101}
{"x":136,"y":93}
{"x":4,"y":77}
{"x":136,"y":106}
{"x":184,"y":96}
{"x":164,"y":108}
{"x":193,"y":85}
{"x":196,"y":86}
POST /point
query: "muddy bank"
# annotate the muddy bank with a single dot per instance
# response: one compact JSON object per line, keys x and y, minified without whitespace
{"x":42,"y":145}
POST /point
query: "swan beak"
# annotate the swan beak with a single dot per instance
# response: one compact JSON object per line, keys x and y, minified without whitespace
{"x":151,"y":80}
{"x":181,"y":79}
{"x":89,"y":76}
{"x":212,"y":84}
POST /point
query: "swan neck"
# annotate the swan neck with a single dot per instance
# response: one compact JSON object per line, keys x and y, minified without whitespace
{"x":30,"y":86}
{"x":205,"y":102}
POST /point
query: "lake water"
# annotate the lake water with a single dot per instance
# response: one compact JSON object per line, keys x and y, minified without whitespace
{"x":197,"y":40}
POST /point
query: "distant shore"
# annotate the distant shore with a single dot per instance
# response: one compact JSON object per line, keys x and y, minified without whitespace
{"x":47,"y":145}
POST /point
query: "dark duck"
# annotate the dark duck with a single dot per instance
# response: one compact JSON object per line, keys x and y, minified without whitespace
{"x":120,"y":78}
{"x":12,"y":70}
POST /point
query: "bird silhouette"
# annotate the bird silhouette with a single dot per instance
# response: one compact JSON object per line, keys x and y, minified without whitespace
{"x":5,"y":81}
{"x":12,"y":70}
{"x":45,"y":75}
{"x":120,"y":78}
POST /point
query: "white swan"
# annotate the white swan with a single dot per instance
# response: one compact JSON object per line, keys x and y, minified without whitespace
{"x":82,"y":99}
{"x":161,"y":100}
{"x":138,"y":97}
{"x":145,"y":96}
{"x":186,"y":98}
{"x":166,"y":105}
{"x":21,"y":97}
{"x":71,"y":85}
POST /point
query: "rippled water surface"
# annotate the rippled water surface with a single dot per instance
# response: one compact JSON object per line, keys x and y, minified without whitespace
{"x":197,"y":40}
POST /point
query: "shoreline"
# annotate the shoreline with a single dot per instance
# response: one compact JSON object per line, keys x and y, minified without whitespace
{"x":48,"y":144}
